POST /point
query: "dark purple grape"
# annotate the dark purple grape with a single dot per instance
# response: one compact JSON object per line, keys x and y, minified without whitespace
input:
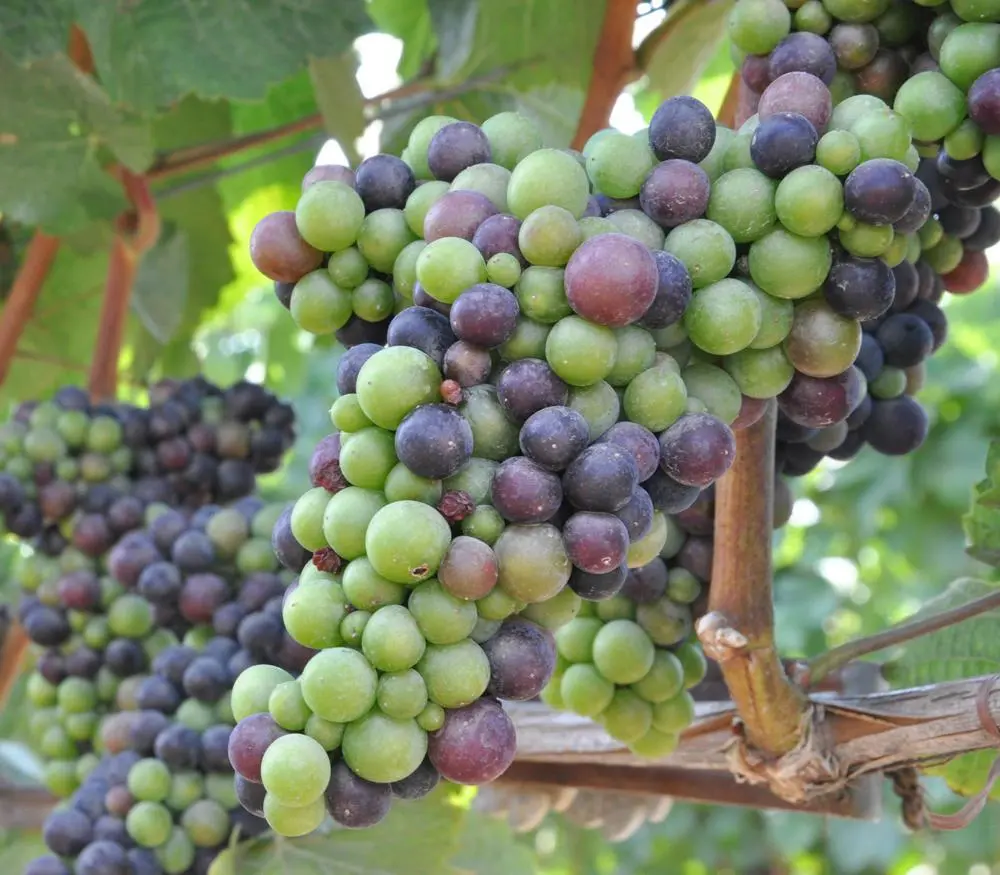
{"x":860,"y":288}
{"x":51,"y":665}
{"x":755,"y":73}
{"x":871,"y":359}
{"x":291,"y":554}
{"x":647,"y":584}
{"x":818,"y":402}
{"x":918,"y":213}
{"x":907,"y":286}
{"x":292,"y":656}
{"x":984,"y":102}
{"x":673,"y":292}
{"x":669,"y":496}
{"x":782,"y":142}
{"x":896,"y":427}
{"x":475,"y":745}
{"x":67,"y":832}
{"x":422,"y":329}
{"x":248,"y":742}
{"x":358,"y":331}
{"x":215,"y":748}
{"x":144,"y":729}
{"x":57,"y":500}
{"x":235,"y":479}
{"x":240,"y":662}
{"x":158,"y":694}
{"x":455,"y":147}
{"x":682,"y":127}
{"x":193,"y":552}
{"x":978,"y":197}
{"x":697,"y":449}
{"x":167,"y":528}
{"x":803,"y":52}
{"x":988,"y":232}
{"x":206,"y":680}
{"x":179,"y":747}
{"x":466,"y":364}
{"x":884,"y":76}
{"x":528,"y":385}
{"x":934,"y":316}
{"x":261,"y":634}
{"x":524,"y":492}
{"x":522,"y":657}
{"x":144,"y":862}
{"x":960,"y":175}
{"x":960,"y":222}
{"x":596,"y":542}
{"x":637,"y":440}
{"x":258,"y":589}
{"x":696,"y":556}
{"x":48,"y":865}
{"x":434,"y":441}
{"x":72,"y":398}
{"x":675,"y":192}
{"x":597,"y":587}
{"x":637,"y":514}
{"x":418,"y":784}
{"x":800,"y":459}
{"x":354,"y":802}
{"x":457,"y":214}
{"x":611,"y":205}
{"x":484,"y":315}
{"x":79,"y":590}
{"x":103,"y":858}
{"x":880,"y":191}
{"x":422,"y":299}
{"x":11,"y":494}
{"x":350,"y":364}
{"x":172,"y":662}
{"x":47,"y":626}
{"x":220,"y":648}
{"x":553,"y":437}
{"x":251,"y":795}
{"x":499,"y":234}
{"x":160,"y":583}
{"x":602,"y":478}
{"x":384,"y":182}
{"x":283,"y":292}
{"x":125,"y":657}
{"x":906,"y":340}
{"x":859,"y":415}
{"x":112,"y":829}
{"x":131,"y":556}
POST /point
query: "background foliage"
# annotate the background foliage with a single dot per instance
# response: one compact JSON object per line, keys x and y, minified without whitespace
{"x":867,"y":545}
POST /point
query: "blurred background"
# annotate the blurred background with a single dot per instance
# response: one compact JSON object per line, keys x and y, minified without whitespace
{"x":867,"y":543}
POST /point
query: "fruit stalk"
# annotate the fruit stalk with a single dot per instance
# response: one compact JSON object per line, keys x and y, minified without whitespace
{"x":738,"y":630}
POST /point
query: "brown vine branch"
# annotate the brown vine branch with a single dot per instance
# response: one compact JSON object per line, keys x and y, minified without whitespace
{"x":613,"y":68}
{"x":731,"y":102}
{"x":15,"y":645}
{"x":738,"y":630}
{"x":24,"y":292}
{"x":821,"y":666}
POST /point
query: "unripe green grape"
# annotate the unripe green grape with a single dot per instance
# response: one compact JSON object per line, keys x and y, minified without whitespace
{"x":347,"y":517}
{"x":455,"y":674}
{"x":382,"y":237}
{"x":585,"y":691}
{"x":554,"y":613}
{"x":347,"y":268}
{"x":490,"y":180}
{"x":512,"y":138}
{"x":329,"y":215}
{"x":503,"y":269}
{"x":421,"y":199}
{"x":705,"y":248}
{"x":318,"y":305}
{"x":636,"y":224}
{"x":628,"y":717}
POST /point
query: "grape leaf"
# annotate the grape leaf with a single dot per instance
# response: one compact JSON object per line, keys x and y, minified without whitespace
{"x":982,"y":522}
{"x":150,"y":54}
{"x":487,"y":846}
{"x":161,"y":284}
{"x":409,"y":21}
{"x":54,"y":122}
{"x":415,"y":839}
{"x":29,"y":29}
{"x":340,"y":100}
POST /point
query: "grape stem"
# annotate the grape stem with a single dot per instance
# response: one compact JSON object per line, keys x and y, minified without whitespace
{"x":738,"y":630}
{"x":821,"y":666}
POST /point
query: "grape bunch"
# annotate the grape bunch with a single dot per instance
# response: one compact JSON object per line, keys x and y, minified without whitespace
{"x":184,"y":577}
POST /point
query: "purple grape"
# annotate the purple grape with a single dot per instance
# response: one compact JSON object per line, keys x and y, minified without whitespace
{"x":422,"y":329}
{"x":611,"y":279}
{"x":907,"y":286}
{"x":358,"y":331}
{"x":906,"y":340}
{"x":524,"y":492}
{"x":803,"y":53}
{"x":11,"y":493}
{"x":57,"y":500}
{"x":597,"y":587}
{"x":354,"y":802}
{"x":291,"y":554}
{"x":434,"y":441}
{"x":79,"y":590}
{"x":528,"y":385}
{"x":986,"y":235}
{"x":800,"y":93}
{"x":870,"y":359}
{"x":457,"y":214}
{"x":418,"y":784}
{"x":201,"y":595}
{"x":782,"y":142}
{"x":919,"y":212}
{"x":160,"y":583}
{"x":602,"y":478}
{"x":46,"y":626}
{"x":696,"y":557}
{"x":860,"y":288}
{"x":984,"y":102}
{"x":675,"y":192}
{"x":958,"y":175}
{"x":83,"y":662}
{"x":103,"y":858}
{"x":193,"y":552}
{"x":755,"y":72}
{"x":158,"y":694}
{"x":553,"y":437}
{"x":475,"y":745}
{"x":206,"y":680}
{"x":936,"y":321}
{"x":699,"y":519}
{"x":682,"y":127}
{"x":250,"y":795}
{"x":248,"y":742}
{"x":125,"y":657}
{"x":522,"y":658}
{"x":647,"y":584}
{"x":67,"y":832}
{"x":384,"y":181}
{"x":959,"y":222}
{"x":880,"y":191}
{"x":697,"y":449}
{"x":637,"y":440}
{"x":859,"y":415}
{"x":637,"y":514}
{"x":484,"y":315}
{"x":896,"y":427}
{"x":455,"y":147}
{"x":499,"y":234}
{"x":980,"y":196}
{"x":673,"y":292}
{"x":466,"y":364}
{"x":422,"y":299}
{"x":172,"y":662}
{"x":595,"y":542}
{"x":818,"y":402}
{"x":350,"y":364}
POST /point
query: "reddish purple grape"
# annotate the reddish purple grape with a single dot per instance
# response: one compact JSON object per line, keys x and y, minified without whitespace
{"x":756,"y":73}
{"x":79,"y":590}
{"x":57,"y":500}
{"x":528,"y":385}
{"x":484,"y":315}
{"x":384,"y":181}
{"x":817,"y":402}
{"x":278,"y":251}
{"x":457,"y":214}
{"x":248,"y":742}
{"x":456,"y":147}
{"x":522,"y":658}
{"x":476,"y":745}
{"x":466,"y":364}
{"x":354,"y":802}
{"x":595,"y":542}
{"x":803,"y":52}
{"x":682,"y":127}
{"x":675,"y":192}
{"x":647,"y":584}
{"x":524,"y":492}
{"x":696,"y":556}
{"x":553,"y":437}
{"x":602,"y":478}
{"x":800,"y":93}
{"x":637,"y":440}
{"x":498,"y":234}
{"x":201,"y":595}
{"x":469,"y":568}
{"x":637,"y":514}
{"x":697,"y":449}
{"x":984,"y":102}
{"x":434,"y":441}
{"x":611,"y":279}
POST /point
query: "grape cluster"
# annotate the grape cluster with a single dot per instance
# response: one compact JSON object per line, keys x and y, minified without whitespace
{"x":161,"y":798}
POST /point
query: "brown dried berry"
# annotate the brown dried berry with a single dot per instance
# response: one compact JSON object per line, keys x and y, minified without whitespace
{"x":456,"y":506}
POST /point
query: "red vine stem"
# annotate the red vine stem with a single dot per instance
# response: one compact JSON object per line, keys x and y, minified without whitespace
{"x":738,"y":630}
{"x":15,"y":645}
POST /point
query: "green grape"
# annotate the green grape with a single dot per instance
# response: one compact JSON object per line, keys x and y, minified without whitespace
{"x":60,"y":778}
{"x":742,"y":202}
{"x":292,"y":821}
{"x":476,"y":476}
{"x":575,"y":640}
{"x":757,"y":26}
{"x":497,"y":605}
{"x":636,"y":351}
{"x":991,"y":156}
{"x":318,"y":305}
{"x":714,"y":163}
{"x":890,"y":383}
{"x":421,"y":199}
{"x":965,"y":142}
{"x":541,"y":294}
{"x":553,"y":613}
{"x":533,"y":565}
{"x":130,"y":616}
{"x":946,"y":256}
{"x":664,"y":680}
{"x":882,"y":134}
{"x":599,"y":404}
{"x":724,"y":317}
{"x":329,"y":215}
{"x":484,"y":524}
{"x":512,"y":138}
{"x":856,"y":10}
{"x":394,"y":381}
{"x":448,"y":266}
{"x":288,"y":706}
{"x":307,"y":519}
{"x":392,"y":640}
{"x":40,"y":692}
{"x":527,"y":341}
{"x":592,"y":226}
{"x":867,"y":241}
{"x":401,"y":695}
{"x":656,"y":398}
{"x":406,"y":541}
{"x":760,"y":373}
{"x":675,"y":714}
{"x":813,"y":18}
{"x":488,"y":179}
{"x":373,"y":300}
{"x":628,"y":717}
{"x":585,"y":691}
{"x":933,"y":105}
{"x":186,"y":788}
{"x":96,"y":633}
{"x":57,"y":744}
{"x":347,"y":268}
{"x":738,"y":151}
{"x":404,"y":269}
{"x":810,"y":201}
{"x":431,"y":719}
{"x":715,"y":389}
{"x":348,"y":516}
{"x":104,"y":435}
{"x":580,"y":352}
{"x":617,"y":164}
{"x":227,"y":530}
{"x":655,"y":744}
{"x":367,"y":459}
{"x":295,"y":769}
{"x":149,"y":824}
{"x":441,"y":617}
{"x":328,"y":734}
{"x":149,"y":780}
{"x":81,"y":727}
{"x":484,"y":630}
{"x":682,"y":586}
{"x":705,"y":248}
{"x":86,"y":765}
{"x":494,"y":436}
{"x":352,"y":627}
{"x":346,"y":414}
{"x":503,"y":269}
{"x":339,"y":684}
{"x":206,"y":823}
{"x":382,"y":237}
{"x":776,"y":319}
{"x":417,"y":145}
{"x":43,"y":444}
{"x":788,"y":266}
{"x":636,"y":224}
{"x":544,"y":177}
{"x":381,"y":749}
{"x":623,"y":652}
{"x":253,"y":688}
{"x":665,"y":622}
{"x":455,"y":674}
{"x":549,"y":236}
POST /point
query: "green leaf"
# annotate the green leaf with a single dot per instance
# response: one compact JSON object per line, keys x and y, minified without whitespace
{"x":415,"y":839}
{"x":488,"y":847}
{"x":30,"y":29}
{"x":161,"y":284}
{"x":149,"y":55}
{"x":340,"y":100}
{"x":54,"y":122}
{"x":982,"y":522}
{"x":409,"y":21}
